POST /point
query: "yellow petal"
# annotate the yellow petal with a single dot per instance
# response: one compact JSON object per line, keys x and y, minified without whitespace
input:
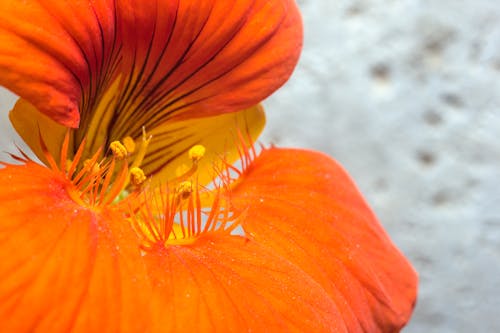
{"x":168,"y":152}
{"x":30,"y":124}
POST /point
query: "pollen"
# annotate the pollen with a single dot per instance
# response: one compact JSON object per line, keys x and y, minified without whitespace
{"x":137,"y":176}
{"x":196,"y":153}
{"x":129,"y":144}
{"x":184,"y":189}
{"x":69,"y":163}
{"x":119,"y":150}
{"x":91,"y":166}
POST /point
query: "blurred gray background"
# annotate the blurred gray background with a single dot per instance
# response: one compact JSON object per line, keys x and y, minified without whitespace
{"x":406,"y":95}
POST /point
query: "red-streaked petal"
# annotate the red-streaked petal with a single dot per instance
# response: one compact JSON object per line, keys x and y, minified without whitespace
{"x":173,"y":59}
{"x":56,"y":54}
{"x":305,"y":207}
{"x":64,"y":267}
{"x":230,"y":284}
{"x":202,"y":58}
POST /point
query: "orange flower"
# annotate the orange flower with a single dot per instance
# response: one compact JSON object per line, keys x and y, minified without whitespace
{"x":118,"y":231}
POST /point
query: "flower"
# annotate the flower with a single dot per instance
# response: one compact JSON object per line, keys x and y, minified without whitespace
{"x":119,"y":231}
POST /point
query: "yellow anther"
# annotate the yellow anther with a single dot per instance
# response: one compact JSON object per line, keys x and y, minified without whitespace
{"x":184,"y":189}
{"x":69,"y":163}
{"x":118,"y":149}
{"x":91,"y":166}
{"x":137,"y":176}
{"x":196,"y":153}
{"x":129,"y":144}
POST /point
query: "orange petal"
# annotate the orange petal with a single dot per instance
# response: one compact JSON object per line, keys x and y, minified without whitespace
{"x":64,"y":267}
{"x":230,"y":284}
{"x":56,"y":54}
{"x":195,"y":59}
{"x":173,"y":59}
{"x":305,"y":208}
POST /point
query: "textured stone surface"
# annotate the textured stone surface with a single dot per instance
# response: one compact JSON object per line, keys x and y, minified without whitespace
{"x":406,"y":94}
{"x":7,"y":134}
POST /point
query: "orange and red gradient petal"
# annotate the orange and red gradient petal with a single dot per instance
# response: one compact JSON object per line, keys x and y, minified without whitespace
{"x":172,"y":59}
{"x":193,"y":59}
{"x":305,"y":207}
{"x":64,"y":267}
{"x":56,"y":54}
{"x":223,"y":283}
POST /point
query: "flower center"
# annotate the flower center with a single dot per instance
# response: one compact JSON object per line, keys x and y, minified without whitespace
{"x":180,"y":214}
{"x":182,"y":210}
{"x":100,"y":181}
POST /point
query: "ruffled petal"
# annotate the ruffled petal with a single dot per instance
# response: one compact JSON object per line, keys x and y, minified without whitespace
{"x":64,"y":267}
{"x":169,"y":59}
{"x":230,"y":284}
{"x":304,"y":207}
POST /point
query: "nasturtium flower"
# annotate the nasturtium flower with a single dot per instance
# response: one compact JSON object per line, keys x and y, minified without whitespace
{"x":136,"y":218}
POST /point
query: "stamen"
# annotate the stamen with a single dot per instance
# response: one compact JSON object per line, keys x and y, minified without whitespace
{"x":230,"y":175}
{"x":139,"y":157}
{"x":196,"y":153}
{"x":184,"y":189}
{"x":92,"y":166}
{"x":129,"y":144}
{"x":184,"y":172}
{"x":119,"y":150}
{"x":93,"y":183}
{"x":69,"y":163}
{"x":137,"y":176}
{"x":180,"y":216}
